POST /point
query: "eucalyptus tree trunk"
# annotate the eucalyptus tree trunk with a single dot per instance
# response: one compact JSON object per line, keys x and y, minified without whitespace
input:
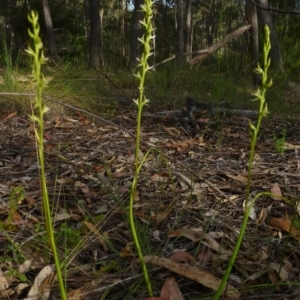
{"x":179,"y":30}
{"x":188,"y":30}
{"x":50,"y":30}
{"x":9,"y":30}
{"x":266,"y":19}
{"x":94,"y":37}
{"x":122,"y":27}
{"x":251,"y":17}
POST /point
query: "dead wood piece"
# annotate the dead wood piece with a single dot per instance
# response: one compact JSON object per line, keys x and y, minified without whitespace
{"x":248,"y":113}
{"x":205,"y":52}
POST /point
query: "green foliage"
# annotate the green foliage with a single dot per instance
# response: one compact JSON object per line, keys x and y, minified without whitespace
{"x":68,"y":237}
{"x":11,"y":65}
{"x":279,"y":141}
{"x":16,"y":197}
{"x":212,"y":22}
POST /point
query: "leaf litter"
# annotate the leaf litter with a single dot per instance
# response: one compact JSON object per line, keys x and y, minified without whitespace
{"x":188,"y":212}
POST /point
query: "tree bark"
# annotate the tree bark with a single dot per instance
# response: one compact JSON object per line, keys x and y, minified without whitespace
{"x":50,"y":30}
{"x":9,"y":41}
{"x":179,"y":29}
{"x":94,"y":38}
{"x":251,"y":17}
{"x":122,"y":27}
{"x":188,"y":30}
{"x":266,"y":19}
{"x":136,"y":34}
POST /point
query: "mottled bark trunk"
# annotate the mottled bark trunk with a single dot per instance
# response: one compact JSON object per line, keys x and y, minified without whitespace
{"x":94,"y":37}
{"x":179,"y":30}
{"x":9,"y":34}
{"x":188,"y":30}
{"x":251,"y":17}
{"x":122,"y":37}
{"x":266,"y":19}
{"x":50,"y":30}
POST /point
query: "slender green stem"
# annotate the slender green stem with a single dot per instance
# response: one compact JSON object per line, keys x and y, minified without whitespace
{"x":263,"y":110}
{"x":140,"y":102}
{"x":38,"y":59}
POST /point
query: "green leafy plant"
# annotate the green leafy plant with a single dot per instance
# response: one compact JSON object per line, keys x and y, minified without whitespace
{"x":260,"y":95}
{"x":7,"y":61}
{"x":68,"y":237}
{"x":16,"y":197}
{"x":40,"y":109}
{"x":279,"y":141}
{"x":140,"y":102}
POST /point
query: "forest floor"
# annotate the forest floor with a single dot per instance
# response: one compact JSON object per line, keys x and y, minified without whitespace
{"x":188,"y":209}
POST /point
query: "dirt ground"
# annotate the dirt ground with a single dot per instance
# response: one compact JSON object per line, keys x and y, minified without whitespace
{"x":190,"y":199}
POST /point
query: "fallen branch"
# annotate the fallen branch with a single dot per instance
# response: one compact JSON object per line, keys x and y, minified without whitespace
{"x":206,"y":52}
{"x":202,"y":54}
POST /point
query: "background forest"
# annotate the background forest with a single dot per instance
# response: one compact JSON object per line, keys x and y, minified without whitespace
{"x":103,"y":36}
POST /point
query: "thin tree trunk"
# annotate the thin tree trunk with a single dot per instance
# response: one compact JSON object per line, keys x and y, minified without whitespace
{"x":266,"y":19}
{"x":179,"y":29}
{"x":101,"y":35}
{"x":50,"y":30}
{"x":122,"y":26}
{"x":188,"y":30}
{"x":211,"y":23}
{"x":251,"y":17}
{"x":94,"y":38}
{"x":8,"y":32}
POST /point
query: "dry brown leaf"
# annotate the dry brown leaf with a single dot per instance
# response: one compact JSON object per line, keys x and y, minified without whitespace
{"x":193,"y":235}
{"x":170,"y":290}
{"x":160,"y":216}
{"x":252,"y":213}
{"x":90,"y":130}
{"x":276,"y":192}
{"x":30,"y":202}
{"x":4,"y":283}
{"x":291,"y":146}
{"x":256,"y":157}
{"x":185,"y":178}
{"x":262,"y":216}
{"x":20,"y":288}
{"x":80,"y":293}
{"x":281,"y":271}
{"x":273,"y":276}
{"x":287,"y":265}
{"x":42,"y":284}
{"x":203,"y":277}
{"x":10,"y":116}
{"x":25,"y":266}
{"x":96,"y":231}
{"x":64,"y":180}
{"x":213,"y":244}
{"x":204,"y":257}
{"x":128,"y":251}
{"x":181,"y":256}
{"x":154,"y":298}
{"x":239,"y":177}
{"x":171,"y":131}
{"x":286,"y":225}
{"x":162,"y":176}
